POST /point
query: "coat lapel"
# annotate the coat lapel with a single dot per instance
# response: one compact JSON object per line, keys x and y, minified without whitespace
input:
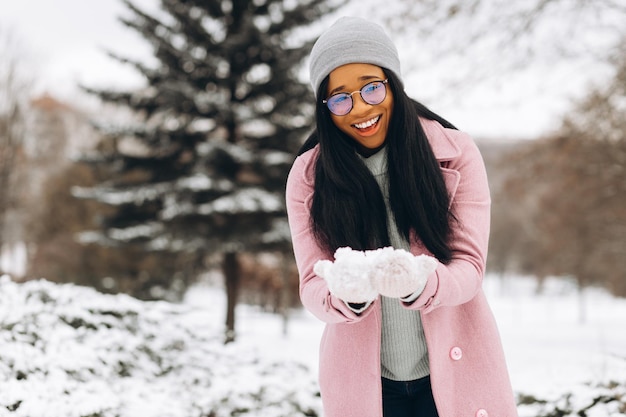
{"x":445,"y":150}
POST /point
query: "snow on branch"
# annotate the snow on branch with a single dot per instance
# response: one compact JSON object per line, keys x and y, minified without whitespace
{"x":135,"y":232}
{"x":244,"y":201}
{"x":149,"y":192}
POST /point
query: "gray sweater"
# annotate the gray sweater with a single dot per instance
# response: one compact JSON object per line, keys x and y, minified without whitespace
{"x":403,"y":353}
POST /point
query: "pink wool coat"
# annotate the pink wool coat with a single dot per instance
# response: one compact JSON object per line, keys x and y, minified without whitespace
{"x":469,"y":376}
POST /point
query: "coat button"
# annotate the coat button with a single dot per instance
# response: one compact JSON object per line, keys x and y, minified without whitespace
{"x":482,"y":413}
{"x":456,"y":354}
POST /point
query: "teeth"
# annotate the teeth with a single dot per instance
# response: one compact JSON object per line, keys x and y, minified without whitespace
{"x":367,"y":124}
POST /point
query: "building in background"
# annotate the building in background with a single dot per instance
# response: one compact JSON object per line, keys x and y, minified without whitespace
{"x":55,"y":134}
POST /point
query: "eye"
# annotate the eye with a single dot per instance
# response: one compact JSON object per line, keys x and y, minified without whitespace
{"x":339,"y":98}
{"x":371,"y":87}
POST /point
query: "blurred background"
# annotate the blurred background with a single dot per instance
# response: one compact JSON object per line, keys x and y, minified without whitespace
{"x":144,"y":145}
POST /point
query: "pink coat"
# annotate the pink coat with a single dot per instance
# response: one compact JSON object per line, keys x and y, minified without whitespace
{"x":469,"y":376}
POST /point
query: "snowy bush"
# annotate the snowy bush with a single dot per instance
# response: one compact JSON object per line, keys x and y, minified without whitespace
{"x":69,"y":351}
{"x":607,"y":400}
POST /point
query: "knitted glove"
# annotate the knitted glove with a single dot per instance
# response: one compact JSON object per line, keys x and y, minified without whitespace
{"x":397,"y":273}
{"x":348,"y":276}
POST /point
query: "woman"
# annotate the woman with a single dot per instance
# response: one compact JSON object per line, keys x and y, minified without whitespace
{"x":382,"y":171}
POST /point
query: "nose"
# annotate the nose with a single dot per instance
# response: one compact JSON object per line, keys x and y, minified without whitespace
{"x":358,"y":104}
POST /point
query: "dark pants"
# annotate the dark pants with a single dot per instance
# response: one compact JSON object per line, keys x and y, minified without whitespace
{"x":408,"y":398}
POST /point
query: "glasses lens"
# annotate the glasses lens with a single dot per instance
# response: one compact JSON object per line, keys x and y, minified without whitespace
{"x":340,"y":104}
{"x":374,"y":93}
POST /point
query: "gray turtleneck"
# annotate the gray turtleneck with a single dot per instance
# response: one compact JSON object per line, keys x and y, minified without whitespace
{"x":403,"y":353}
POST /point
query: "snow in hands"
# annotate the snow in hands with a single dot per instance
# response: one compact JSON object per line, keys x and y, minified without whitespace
{"x":359,"y":276}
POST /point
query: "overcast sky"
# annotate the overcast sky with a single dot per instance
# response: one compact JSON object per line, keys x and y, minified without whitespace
{"x":64,"y":42}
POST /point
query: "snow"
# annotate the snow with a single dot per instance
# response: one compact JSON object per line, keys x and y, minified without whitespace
{"x":549,"y":350}
{"x":248,"y":200}
{"x":136,"y":195}
{"x":202,"y":182}
{"x":13,"y":258}
{"x":150,"y":192}
{"x":279,"y":232}
{"x":277,"y":158}
{"x":359,"y":276}
{"x":70,"y":351}
{"x":134,"y":232}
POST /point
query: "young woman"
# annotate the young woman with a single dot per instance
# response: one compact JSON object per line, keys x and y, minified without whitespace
{"x":382,"y":171}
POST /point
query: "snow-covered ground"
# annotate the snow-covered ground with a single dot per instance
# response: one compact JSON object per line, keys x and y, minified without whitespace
{"x":69,"y":351}
{"x":548,"y":349}
{"x":550,"y":352}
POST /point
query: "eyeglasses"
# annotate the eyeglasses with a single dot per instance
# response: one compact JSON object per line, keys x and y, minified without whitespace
{"x":372,"y":93}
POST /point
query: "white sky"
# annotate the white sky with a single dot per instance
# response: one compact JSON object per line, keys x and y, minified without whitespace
{"x":64,"y":42}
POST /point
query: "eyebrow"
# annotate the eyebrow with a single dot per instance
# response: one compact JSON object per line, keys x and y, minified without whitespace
{"x":361,"y":78}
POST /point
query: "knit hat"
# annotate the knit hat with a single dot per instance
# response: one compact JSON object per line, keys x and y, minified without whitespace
{"x":351,"y":40}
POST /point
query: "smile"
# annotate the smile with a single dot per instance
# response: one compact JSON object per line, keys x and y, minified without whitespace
{"x":368,"y":123}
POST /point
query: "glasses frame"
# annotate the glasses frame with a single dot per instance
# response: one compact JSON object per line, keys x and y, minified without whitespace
{"x":360,"y":91}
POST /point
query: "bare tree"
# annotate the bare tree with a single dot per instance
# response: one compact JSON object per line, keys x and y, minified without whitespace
{"x":567,"y":195}
{"x":509,"y":33}
{"x":526,"y":45}
{"x":13,"y":95}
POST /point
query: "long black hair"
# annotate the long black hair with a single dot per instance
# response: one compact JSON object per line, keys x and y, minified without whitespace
{"x":348,"y":208}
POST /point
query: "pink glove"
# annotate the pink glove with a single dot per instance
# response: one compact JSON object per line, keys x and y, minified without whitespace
{"x":348,"y":276}
{"x":397,"y":273}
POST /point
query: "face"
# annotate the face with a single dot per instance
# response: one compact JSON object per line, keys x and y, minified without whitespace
{"x":367,"y":124}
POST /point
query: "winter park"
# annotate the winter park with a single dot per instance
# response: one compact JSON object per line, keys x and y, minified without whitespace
{"x":147,"y":262}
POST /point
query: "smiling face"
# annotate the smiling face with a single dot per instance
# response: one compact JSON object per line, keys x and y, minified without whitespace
{"x":367,"y":124}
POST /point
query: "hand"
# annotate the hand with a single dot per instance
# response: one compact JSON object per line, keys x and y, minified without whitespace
{"x":348,"y":276}
{"x":397,"y":273}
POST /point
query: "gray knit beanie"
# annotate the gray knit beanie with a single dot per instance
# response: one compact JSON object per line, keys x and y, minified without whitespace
{"x":351,"y":40}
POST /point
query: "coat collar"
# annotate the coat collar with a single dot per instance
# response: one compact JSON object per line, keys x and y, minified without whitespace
{"x":442,"y":143}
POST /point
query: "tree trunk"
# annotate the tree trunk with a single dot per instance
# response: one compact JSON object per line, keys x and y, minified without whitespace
{"x":232,"y":281}
{"x":285,"y":295}
{"x":13,"y":89}
{"x":582,"y":304}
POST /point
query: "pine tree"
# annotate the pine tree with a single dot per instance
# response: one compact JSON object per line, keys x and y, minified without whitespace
{"x":203,"y":170}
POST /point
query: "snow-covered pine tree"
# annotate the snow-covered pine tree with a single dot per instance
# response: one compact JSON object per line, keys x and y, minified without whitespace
{"x":203,"y":169}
